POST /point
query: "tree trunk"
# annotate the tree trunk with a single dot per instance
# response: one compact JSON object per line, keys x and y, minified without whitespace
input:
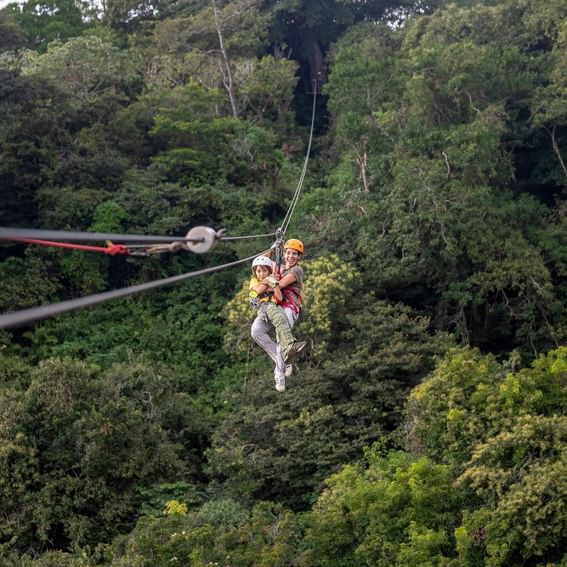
{"x":317,"y":71}
{"x":556,"y":150}
{"x":362,"y":161}
{"x":228,"y":82}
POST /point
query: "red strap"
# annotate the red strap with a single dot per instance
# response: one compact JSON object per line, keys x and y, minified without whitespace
{"x":287,"y":290}
{"x":111,"y":249}
{"x":288,"y":301}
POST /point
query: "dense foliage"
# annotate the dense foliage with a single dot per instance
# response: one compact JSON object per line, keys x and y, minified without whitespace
{"x":426,"y":424}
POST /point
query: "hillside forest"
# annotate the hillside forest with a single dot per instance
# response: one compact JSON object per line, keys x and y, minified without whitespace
{"x":425,"y":424}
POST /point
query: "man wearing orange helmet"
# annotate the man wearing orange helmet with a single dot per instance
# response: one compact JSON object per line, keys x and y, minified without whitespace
{"x":290,"y":288}
{"x":291,"y":281}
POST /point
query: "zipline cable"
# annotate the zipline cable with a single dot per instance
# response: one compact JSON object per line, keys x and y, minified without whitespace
{"x":56,"y":238}
{"x":67,"y":236}
{"x":228,"y":238}
{"x":24,"y":316}
{"x":199,"y":239}
{"x":295,"y":197}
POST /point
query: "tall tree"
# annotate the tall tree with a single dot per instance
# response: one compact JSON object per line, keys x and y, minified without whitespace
{"x":433,"y":129}
{"x":12,"y":35}
{"x":309,"y":27}
{"x":44,"y":21}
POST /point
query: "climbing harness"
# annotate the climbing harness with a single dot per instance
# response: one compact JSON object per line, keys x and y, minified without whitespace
{"x":288,"y":294}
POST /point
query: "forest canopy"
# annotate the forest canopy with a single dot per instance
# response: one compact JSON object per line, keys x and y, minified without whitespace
{"x":426,"y":423}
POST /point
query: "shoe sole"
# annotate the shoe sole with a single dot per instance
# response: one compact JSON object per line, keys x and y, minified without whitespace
{"x":295,"y":349}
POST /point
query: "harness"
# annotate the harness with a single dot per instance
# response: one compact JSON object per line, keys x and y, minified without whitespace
{"x":288,"y":293}
{"x":256,"y":298}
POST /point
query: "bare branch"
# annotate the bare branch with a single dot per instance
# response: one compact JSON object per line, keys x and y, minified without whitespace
{"x":447,"y":163}
{"x":229,"y":85}
{"x":471,"y":103}
{"x":556,"y":149}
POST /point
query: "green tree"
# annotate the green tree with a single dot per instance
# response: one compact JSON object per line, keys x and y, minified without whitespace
{"x":282,"y":447}
{"x":219,"y":531}
{"x":81,"y":446}
{"x":41,"y":286}
{"x":308,"y":28}
{"x":35,"y":115}
{"x":398,"y":511}
{"x":44,"y":21}
{"x":11,"y":31}
{"x":519,"y":477}
{"x":193,"y":138}
{"x":470,"y":398}
{"x":432,"y":131}
{"x":216,"y":45}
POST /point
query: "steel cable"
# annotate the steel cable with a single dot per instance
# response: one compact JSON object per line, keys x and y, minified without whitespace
{"x":229,"y":238}
{"x":295,"y":197}
{"x":67,"y":236}
{"x":18,"y":318}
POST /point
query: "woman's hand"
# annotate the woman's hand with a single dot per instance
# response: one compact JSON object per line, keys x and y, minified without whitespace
{"x":270,"y":281}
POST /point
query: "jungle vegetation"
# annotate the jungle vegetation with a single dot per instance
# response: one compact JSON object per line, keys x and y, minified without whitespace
{"x":426,"y":425}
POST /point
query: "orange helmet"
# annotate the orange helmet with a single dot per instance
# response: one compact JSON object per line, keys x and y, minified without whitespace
{"x":295,"y":244}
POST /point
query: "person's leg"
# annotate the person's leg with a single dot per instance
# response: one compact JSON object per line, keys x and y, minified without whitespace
{"x":281,"y":323}
{"x":291,"y":317}
{"x":260,"y":332}
{"x":283,"y":320}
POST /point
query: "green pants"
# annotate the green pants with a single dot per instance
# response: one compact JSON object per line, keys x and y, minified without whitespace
{"x":275,"y":315}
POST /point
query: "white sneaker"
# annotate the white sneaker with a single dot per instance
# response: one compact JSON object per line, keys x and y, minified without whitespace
{"x":280,"y":384}
{"x":288,"y":370}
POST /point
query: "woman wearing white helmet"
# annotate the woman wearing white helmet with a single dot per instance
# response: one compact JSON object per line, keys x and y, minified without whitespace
{"x":265,"y":297}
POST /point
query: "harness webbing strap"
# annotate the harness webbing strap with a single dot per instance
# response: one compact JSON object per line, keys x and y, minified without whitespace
{"x":288,"y":301}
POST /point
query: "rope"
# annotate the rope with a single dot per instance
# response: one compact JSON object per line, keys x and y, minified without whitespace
{"x":278,"y":247}
{"x":18,"y":318}
{"x":295,"y":197}
{"x":110,"y":249}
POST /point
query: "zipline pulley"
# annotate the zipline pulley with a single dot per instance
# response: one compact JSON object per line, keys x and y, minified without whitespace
{"x":202,"y":239}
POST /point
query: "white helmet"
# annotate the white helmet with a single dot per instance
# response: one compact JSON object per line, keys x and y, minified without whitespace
{"x":261,"y":261}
